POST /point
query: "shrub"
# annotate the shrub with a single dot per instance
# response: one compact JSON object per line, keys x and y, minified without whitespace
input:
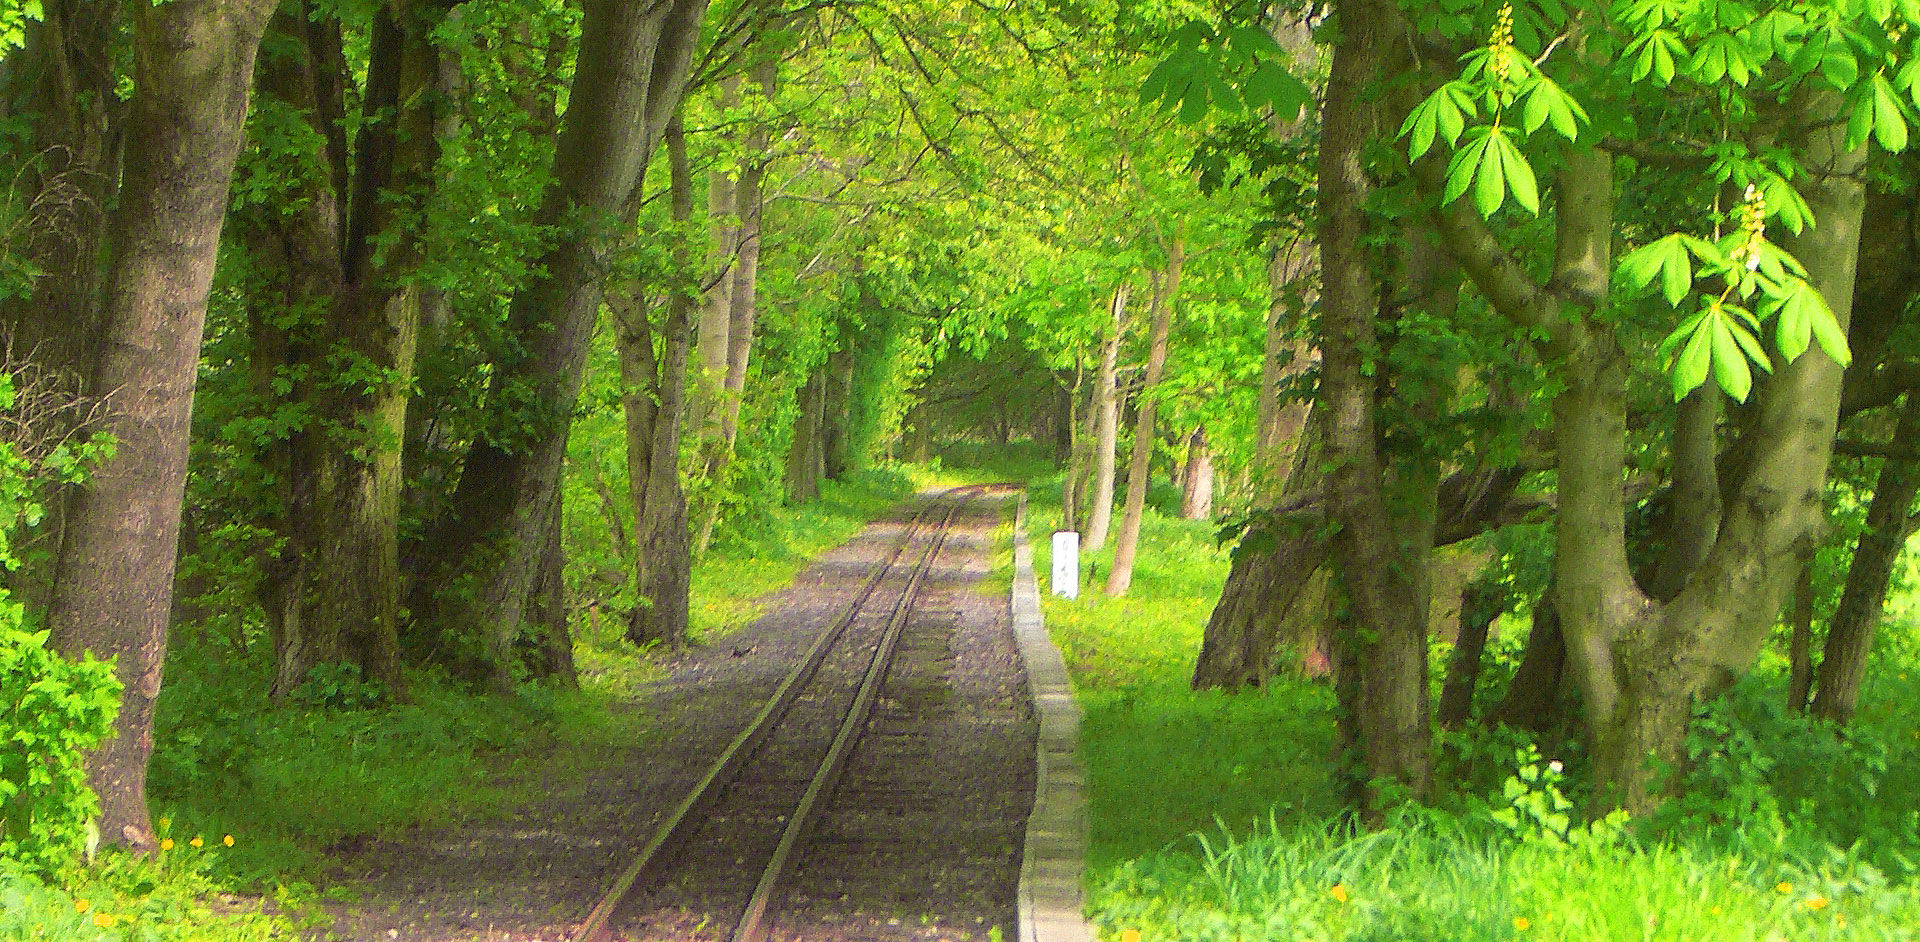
{"x":51,"y":710}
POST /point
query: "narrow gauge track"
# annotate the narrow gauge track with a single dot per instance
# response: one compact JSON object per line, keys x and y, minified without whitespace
{"x":731,"y":844}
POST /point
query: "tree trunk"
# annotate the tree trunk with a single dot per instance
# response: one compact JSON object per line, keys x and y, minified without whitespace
{"x":1282,"y":415}
{"x":654,"y":390}
{"x":804,"y":455}
{"x":548,"y":642}
{"x":1843,"y":664}
{"x":1481,"y":603}
{"x":193,"y":63}
{"x":346,"y":257}
{"x":627,"y":83}
{"x":1536,"y":697}
{"x":1140,"y":464}
{"x":1381,"y":553}
{"x":1106,"y":425}
{"x":1800,"y":645}
{"x":1196,"y":501}
{"x":1274,"y":562}
{"x":66,"y":189}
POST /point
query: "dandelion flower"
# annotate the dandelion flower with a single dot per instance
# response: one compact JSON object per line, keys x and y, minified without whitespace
{"x":228,"y":840}
{"x":196,"y":842}
{"x":102,"y":920}
{"x":1816,"y":901}
{"x":82,"y":905}
{"x":1522,"y":923}
{"x":166,"y":843}
{"x":1339,"y":892}
{"x":1784,"y":887}
{"x":1129,"y":935}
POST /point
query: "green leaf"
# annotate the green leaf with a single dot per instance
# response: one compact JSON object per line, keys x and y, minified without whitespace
{"x":1729,"y":363}
{"x":1657,"y":52}
{"x":1519,"y":174}
{"x":1889,"y":125}
{"x":1749,"y":344}
{"x":1785,"y":203}
{"x":1690,"y":368}
{"x":1464,"y":165}
{"x":1793,"y":332}
{"x":1440,"y":114}
{"x":1489,"y":178}
{"x":1665,"y":258}
{"x":1827,"y":332}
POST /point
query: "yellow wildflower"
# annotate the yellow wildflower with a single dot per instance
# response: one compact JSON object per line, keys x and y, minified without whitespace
{"x":1784,"y":887}
{"x":1522,"y":923}
{"x":1716,"y":910}
{"x":228,"y":840}
{"x":1129,"y":935}
{"x":102,"y":920}
{"x":82,"y":905}
{"x":1339,"y":892}
{"x":1816,"y":901}
{"x":196,"y":842}
{"x":166,"y":843}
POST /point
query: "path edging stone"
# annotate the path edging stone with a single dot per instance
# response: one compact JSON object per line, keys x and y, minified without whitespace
{"x":1053,"y":860}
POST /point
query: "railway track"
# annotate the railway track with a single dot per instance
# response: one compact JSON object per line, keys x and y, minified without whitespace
{"x":729,"y":848}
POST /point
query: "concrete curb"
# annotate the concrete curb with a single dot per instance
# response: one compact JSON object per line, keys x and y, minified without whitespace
{"x":1053,"y":861}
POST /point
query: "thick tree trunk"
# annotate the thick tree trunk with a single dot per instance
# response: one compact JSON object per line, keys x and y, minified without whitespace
{"x":627,"y":83}
{"x":64,"y":185}
{"x":346,"y":260}
{"x":1381,"y":553}
{"x":1271,"y":567}
{"x":1106,"y":426}
{"x":654,"y":390}
{"x":1196,"y":498}
{"x":193,"y":64}
{"x":1843,"y":664}
{"x":1166,"y":298}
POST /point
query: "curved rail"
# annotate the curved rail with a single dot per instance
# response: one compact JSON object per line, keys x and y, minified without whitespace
{"x":680,"y":822}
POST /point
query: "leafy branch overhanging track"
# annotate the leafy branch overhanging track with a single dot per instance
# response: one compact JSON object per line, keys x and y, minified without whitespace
{"x":659,"y":855}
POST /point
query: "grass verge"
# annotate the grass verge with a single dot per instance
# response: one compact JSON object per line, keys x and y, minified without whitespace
{"x":1213,"y":817}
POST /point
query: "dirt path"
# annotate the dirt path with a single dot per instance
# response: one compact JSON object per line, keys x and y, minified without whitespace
{"x":925,"y":845}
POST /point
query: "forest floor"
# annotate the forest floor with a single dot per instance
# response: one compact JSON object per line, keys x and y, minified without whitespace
{"x":589,"y":802}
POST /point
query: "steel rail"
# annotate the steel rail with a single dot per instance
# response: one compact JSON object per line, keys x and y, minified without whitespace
{"x":755,"y":920}
{"x":679,"y":822}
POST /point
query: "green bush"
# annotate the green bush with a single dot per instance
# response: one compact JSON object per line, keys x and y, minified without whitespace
{"x":51,"y":710}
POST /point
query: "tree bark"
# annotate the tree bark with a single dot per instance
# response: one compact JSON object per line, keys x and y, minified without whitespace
{"x":1481,"y":603}
{"x":627,"y":83}
{"x":804,"y":456}
{"x":1166,"y":298}
{"x":1381,"y":553}
{"x":1196,"y":501}
{"x":654,"y":390}
{"x":346,"y":258}
{"x":193,"y":62}
{"x":1536,"y":697}
{"x":1106,"y":426}
{"x":1843,"y":663}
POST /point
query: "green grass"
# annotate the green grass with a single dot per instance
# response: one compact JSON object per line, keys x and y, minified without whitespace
{"x":1213,"y":816}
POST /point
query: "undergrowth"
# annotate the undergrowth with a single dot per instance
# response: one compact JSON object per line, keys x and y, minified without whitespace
{"x":1215,"y":817}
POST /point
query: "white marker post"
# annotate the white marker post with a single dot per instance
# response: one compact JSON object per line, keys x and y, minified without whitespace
{"x":1066,"y":564}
